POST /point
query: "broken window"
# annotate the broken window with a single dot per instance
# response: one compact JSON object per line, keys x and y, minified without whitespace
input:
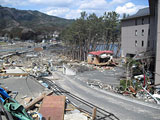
{"x":135,"y":32}
{"x":143,"y":32}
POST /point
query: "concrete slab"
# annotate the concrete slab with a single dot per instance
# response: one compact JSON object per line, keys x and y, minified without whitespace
{"x":15,"y":70}
{"x":75,"y":116}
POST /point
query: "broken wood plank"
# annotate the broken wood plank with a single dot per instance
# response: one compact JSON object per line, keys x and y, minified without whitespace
{"x":14,"y":74}
{"x":37,"y":105}
{"x":31,"y":105}
{"x":94,"y":113}
{"x":69,"y":109}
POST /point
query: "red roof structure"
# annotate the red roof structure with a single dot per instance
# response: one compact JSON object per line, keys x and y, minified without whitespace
{"x":101,"y":52}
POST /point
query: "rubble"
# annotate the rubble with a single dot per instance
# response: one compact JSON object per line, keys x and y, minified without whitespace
{"x":42,"y":64}
{"x":36,"y":100}
{"x":100,"y":57}
{"x":68,"y":71}
{"x":27,"y":100}
{"x":156,"y":96}
{"x":100,"y":85}
{"x":36,"y":108}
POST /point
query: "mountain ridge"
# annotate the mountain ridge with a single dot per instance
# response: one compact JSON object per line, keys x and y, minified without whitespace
{"x":14,"y":21}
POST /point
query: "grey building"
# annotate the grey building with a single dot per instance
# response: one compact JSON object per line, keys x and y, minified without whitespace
{"x":141,"y":34}
{"x":137,"y":34}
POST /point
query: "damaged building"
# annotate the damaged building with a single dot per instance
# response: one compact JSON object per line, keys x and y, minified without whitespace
{"x":100,"y":57}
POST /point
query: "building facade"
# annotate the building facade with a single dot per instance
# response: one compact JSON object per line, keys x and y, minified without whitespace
{"x":137,"y":34}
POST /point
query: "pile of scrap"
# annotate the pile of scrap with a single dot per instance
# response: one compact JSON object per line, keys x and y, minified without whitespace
{"x":45,"y":106}
{"x":139,"y":91}
{"x":52,"y":107}
{"x":138,"y":79}
{"x":101,"y":85}
{"x":11,"y":109}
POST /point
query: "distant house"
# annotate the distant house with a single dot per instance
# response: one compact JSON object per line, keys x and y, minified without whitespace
{"x":100,"y":57}
{"x":55,"y":34}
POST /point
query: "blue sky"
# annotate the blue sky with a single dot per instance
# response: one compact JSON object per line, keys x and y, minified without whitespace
{"x":71,"y":9}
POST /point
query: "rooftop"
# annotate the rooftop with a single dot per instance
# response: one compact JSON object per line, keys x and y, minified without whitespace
{"x":140,"y":13}
{"x":100,"y":52}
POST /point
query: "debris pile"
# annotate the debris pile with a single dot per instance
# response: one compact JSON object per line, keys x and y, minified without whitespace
{"x":33,"y":106}
{"x":40,"y":64}
{"x":100,"y":57}
{"x":138,"y":81}
{"x":47,"y":105}
{"x":100,"y":85}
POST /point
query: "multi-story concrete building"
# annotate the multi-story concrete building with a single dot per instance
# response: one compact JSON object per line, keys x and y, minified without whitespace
{"x":137,"y":33}
{"x":141,"y":34}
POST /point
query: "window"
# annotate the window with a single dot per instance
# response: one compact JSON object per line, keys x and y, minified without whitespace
{"x":135,"y":43}
{"x":148,"y":20}
{"x":142,"y":32}
{"x":142,"y":43}
{"x":142,"y":21}
{"x":135,"y":21}
{"x":135,"y":32}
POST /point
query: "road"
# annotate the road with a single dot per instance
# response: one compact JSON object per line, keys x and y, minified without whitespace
{"x":109,"y":77}
{"x":125,"y":108}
